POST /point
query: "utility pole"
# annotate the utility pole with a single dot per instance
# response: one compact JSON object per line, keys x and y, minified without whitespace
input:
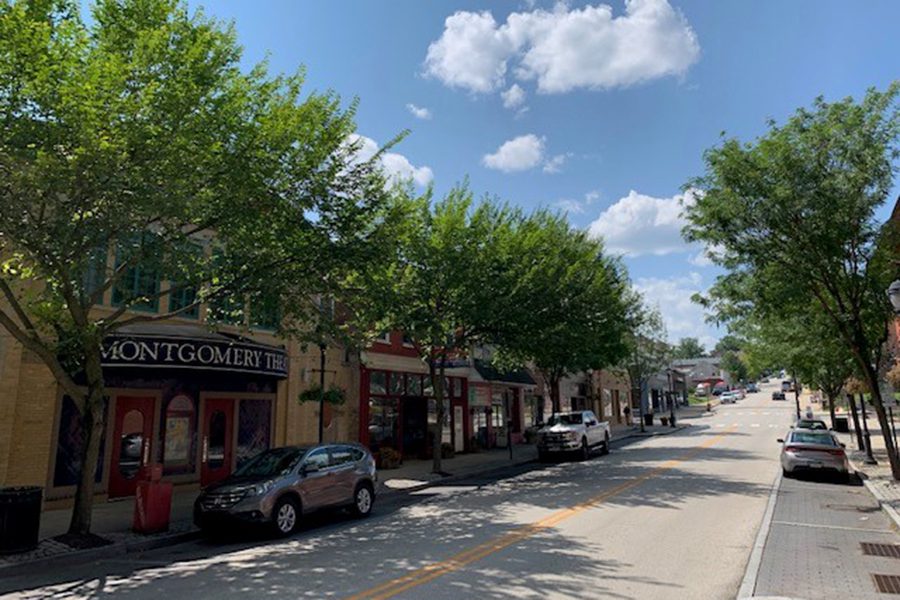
{"x":322,"y":348}
{"x":797,"y":397}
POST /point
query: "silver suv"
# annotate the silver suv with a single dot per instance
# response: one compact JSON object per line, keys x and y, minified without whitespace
{"x":278,"y":486}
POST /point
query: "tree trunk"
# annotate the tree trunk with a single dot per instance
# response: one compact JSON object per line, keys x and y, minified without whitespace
{"x":437,"y":382}
{"x":860,"y":445}
{"x":831,"y":400}
{"x":883,"y":422}
{"x":555,"y":399}
{"x":93,"y":424}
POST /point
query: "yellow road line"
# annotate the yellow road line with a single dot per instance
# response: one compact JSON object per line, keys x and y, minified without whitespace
{"x":430,"y":572}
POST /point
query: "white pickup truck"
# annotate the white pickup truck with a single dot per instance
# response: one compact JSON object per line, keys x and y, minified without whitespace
{"x":573,"y":431}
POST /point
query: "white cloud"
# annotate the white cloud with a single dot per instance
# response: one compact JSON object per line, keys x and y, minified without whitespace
{"x":683,"y":317}
{"x":418,"y":112}
{"x":554,"y":164}
{"x":573,"y":207}
{"x":592,"y":196}
{"x":639,"y":224}
{"x":518,"y":154}
{"x":514,"y":97}
{"x":396,"y":166}
{"x":471,"y":53}
{"x":704,"y":258}
{"x":564,"y":49}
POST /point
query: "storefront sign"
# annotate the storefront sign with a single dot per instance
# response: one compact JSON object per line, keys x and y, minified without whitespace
{"x":187,"y":353}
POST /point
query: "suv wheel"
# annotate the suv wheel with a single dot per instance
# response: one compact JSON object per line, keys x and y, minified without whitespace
{"x":363,"y":499}
{"x":286,"y":516}
{"x":585,"y":449}
{"x":605,"y":450}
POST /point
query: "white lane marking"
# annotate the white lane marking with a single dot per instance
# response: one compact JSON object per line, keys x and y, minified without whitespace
{"x":755,"y":425}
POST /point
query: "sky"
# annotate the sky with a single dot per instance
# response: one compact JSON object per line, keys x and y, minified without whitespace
{"x":599,"y":109}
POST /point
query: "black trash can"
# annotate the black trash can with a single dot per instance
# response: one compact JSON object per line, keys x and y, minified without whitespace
{"x":648,"y":419}
{"x":20,"y":518}
{"x":842,"y":424}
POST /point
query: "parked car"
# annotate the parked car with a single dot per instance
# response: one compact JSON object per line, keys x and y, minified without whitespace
{"x":776,"y":395}
{"x":740,"y":393}
{"x":728,"y":398}
{"x":764,"y":380}
{"x":752,"y":388}
{"x":817,"y":424}
{"x":278,"y":486}
{"x":573,"y":431}
{"x":720,"y":388}
{"x":809,"y":450}
{"x":702,"y":390}
{"x":787,"y":385}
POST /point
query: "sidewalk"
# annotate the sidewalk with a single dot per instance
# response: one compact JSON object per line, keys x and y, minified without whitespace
{"x":112,"y":520}
{"x":877,"y":478}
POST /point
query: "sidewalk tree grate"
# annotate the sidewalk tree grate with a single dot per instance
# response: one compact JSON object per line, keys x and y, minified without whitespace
{"x":887,"y":550}
{"x":887,"y":584}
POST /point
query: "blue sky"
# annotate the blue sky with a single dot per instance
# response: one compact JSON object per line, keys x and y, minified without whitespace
{"x":602,"y":110}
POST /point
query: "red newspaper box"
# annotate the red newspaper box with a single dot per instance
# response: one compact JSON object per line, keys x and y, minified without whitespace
{"x":152,"y":502}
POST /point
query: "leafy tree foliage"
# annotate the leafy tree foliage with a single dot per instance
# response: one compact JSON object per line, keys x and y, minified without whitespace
{"x":688,"y":347}
{"x":134,"y":149}
{"x":795,"y":215}
{"x":647,"y":352}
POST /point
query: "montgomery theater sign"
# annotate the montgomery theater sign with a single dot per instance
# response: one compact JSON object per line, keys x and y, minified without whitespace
{"x":217,"y":353}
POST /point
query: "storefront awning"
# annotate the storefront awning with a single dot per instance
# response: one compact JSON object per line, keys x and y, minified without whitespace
{"x":514,"y":377}
{"x":190,"y":347}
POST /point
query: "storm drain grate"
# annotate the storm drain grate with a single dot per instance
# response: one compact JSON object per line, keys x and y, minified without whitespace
{"x":887,"y":584}
{"x":887,"y":550}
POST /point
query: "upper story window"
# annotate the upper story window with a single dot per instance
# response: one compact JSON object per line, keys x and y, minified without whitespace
{"x":384,"y":338}
{"x":138,"y":281}
{"x":227,"y":308}
{"x":265,"y":312}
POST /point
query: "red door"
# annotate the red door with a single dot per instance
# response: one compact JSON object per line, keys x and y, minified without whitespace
{"x":131,"y":443}
{"x":218,"y":427}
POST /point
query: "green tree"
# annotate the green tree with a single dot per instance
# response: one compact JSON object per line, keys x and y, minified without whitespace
{"x":688,"y":347}
{"x":795,"y":215}
{"x":136,"y":143}
{"x":444,"y":286}
{"x":647,"y":352}
{"x":567,"y":310}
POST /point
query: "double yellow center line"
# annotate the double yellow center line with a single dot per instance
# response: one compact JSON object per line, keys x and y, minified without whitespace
{"x":431,"y":572}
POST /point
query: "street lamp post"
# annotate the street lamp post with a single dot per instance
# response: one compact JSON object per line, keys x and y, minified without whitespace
{"x":671,"y":399}
{"x":322,"y":348}
{"x":870,"y":459}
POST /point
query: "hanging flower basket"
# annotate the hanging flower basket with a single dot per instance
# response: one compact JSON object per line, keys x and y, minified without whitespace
{"x":333,"y":395}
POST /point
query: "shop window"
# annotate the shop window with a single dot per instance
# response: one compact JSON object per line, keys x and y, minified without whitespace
{"x":427,"y":386}
{"x":457,"y":387}
{"x":179,"y":431}
{"x":218,"y":424}
{"x":70,"y":438}
{"x":397,"y":387}
{"x":254,"y":428}
{"x":413,"y":385}
{"x":498,"y":415}
{"x":384,"y":419}
{"x":132,"y":444}
{"x":531,"y":410}
{"x":447,"y":435}
{"x":377,"y":382}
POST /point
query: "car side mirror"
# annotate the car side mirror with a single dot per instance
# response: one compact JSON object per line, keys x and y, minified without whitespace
{"x":780,"y":441}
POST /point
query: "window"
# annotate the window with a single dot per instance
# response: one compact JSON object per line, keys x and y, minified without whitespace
{"x":228,"y":309}
{"x":95,"y":271}
{"x":341,"y":455}
{"x":265,"y":312}
{"x":317,"y":458}
{"x":378,"y":382}
{"x":397,"y":387}
{"x":384,"y":423}
{"x":179,"y":431}
{"x":413,"y":385}
{"x":141,"y":280}
{"x":254,"y":427}
{"x":181,"y":297}
{"x":384,"y":338}
{"x":407,"y":342}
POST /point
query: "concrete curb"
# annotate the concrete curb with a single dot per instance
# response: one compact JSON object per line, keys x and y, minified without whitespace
{"x":748,"y":584}
{"x":883,"y":502}
{"x":114,"y":549}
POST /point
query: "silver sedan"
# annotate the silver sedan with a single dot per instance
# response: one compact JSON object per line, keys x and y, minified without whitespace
{"x":813,"y":450}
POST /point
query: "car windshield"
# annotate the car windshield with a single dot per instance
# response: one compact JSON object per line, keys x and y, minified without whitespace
{"x":810,"y":437}
{"x":811,"y":425}
{"x":565,"y":419}
{"x":271,"y":462}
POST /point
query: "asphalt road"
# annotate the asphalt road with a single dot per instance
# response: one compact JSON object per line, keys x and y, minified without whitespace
{"x":666,"y":517}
